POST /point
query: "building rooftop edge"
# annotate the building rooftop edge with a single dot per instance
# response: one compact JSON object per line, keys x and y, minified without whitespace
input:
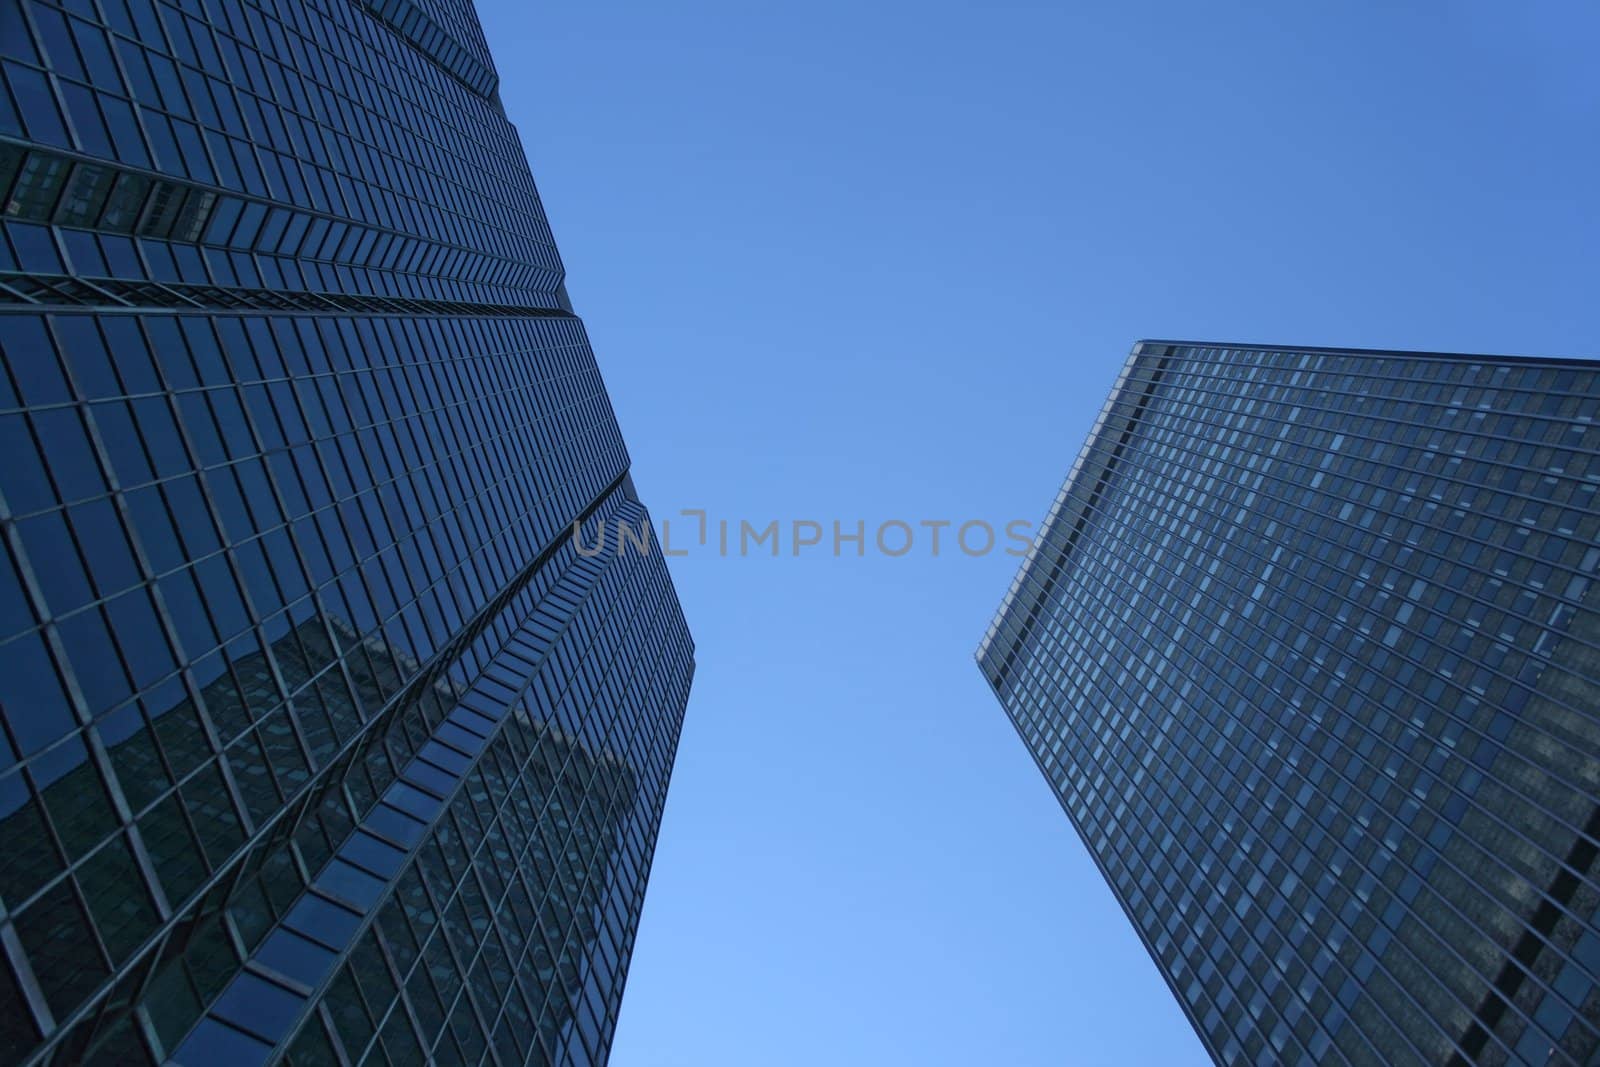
{"x":1158,"y":347}
{"x":1054,"y":512}
{"x":1576,"y":361}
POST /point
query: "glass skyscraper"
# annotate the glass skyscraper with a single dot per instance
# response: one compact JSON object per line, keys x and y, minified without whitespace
{"x":320,"y":740}
{"x":1309,"y":650}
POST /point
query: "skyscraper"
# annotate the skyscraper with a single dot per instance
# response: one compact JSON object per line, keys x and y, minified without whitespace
{"x":1309,"y":650}
{"x":321,"y":739}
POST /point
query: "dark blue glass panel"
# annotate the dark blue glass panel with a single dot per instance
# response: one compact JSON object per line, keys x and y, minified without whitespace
{"x":264,"y":1008}
{"x":214,"y":1042}
{"x":295,"y":957}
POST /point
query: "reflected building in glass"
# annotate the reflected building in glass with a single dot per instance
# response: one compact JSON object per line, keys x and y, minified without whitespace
{"x":320,"y":741}
{"x":1309,"y":651}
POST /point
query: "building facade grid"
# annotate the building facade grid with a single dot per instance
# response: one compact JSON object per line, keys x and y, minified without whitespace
{"x":319,"y":742}
{"x":1307,"y":651}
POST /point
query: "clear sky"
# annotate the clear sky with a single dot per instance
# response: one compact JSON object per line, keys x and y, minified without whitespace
{"x":881,"y":260}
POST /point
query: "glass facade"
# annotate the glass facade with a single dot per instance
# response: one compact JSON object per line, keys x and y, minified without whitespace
{"x":1309,"y":650}
{"x":320,"y":741}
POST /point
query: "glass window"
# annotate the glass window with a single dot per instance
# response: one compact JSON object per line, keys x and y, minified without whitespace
{"x":31,"y":358}
{"x":37,"y":187}
{"x":114,"y":889}
{"x":324,"y":921}
{"x":23,"y":833}
{"x":134,"y":756}
{"x":260,"y":1006}
{"x":216,"y":1042}
{"x":125,"y":204}
{"x":57,"y":567}
{"x":95,"y":665}
{"x":350,"y":883}
{"x":27,"y":486}
{"x":141,"y":637}
{"x":98,"y":528}
{"x":85,"y":195}
{"x":66,"y":446}
{"x":296,"y":957}
{"x":61,"y":947}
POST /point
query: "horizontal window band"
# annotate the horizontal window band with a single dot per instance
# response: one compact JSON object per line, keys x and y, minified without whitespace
{"x":54,"y":186}
{"x":33,"y":292}
{"x":411,"y":22}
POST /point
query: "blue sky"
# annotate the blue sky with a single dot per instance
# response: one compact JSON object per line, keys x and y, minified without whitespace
{"x":881,"y":260}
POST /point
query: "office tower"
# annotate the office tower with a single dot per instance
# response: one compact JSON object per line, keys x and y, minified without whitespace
{"x":1309,"y":651}
{"x":322,"y":741}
